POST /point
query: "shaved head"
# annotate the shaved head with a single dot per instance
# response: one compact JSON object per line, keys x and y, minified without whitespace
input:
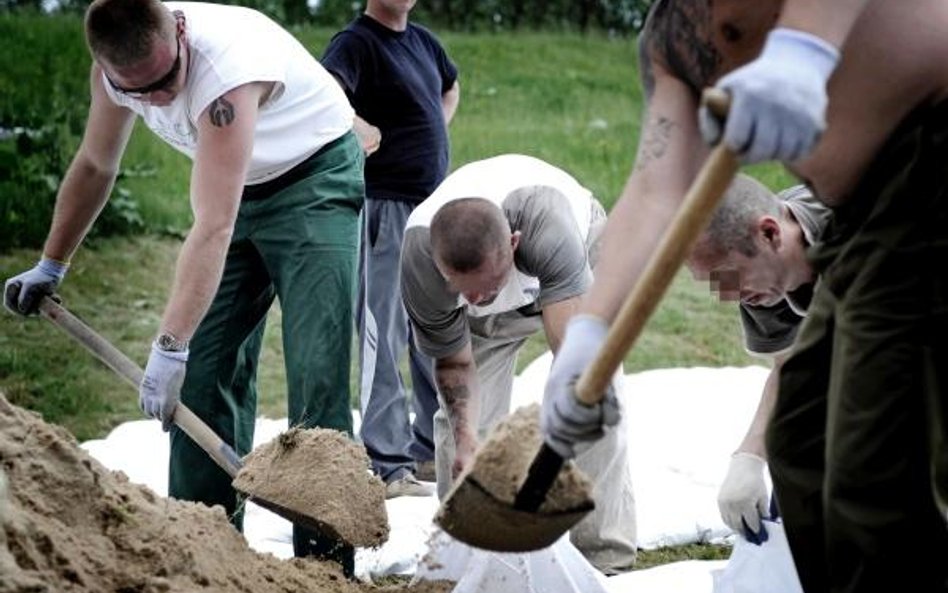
{"x":734,"y":224}
{"x":465,"y":232}
{"x":123,"y":32}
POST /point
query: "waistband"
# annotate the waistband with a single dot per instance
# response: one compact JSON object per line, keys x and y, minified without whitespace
{"x":261,"y":191}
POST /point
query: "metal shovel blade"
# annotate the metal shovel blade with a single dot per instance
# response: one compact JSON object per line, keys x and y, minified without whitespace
{"x":297,"y":518}
{"x":474,"y":516}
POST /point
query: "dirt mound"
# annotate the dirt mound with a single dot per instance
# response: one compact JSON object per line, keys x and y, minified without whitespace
{"x":322,"y":474}
{"x":69,"y":525}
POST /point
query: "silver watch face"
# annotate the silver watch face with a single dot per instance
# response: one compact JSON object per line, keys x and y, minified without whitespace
{"x":170,"y":343}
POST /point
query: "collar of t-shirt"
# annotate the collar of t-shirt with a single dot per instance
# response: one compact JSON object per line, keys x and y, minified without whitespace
{"x":379,"y":28}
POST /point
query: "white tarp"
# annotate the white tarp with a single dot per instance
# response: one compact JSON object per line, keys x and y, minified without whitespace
{"x":684,"y":425}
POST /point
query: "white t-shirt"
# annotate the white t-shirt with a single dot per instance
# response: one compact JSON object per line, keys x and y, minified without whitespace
{"x":230,"y":46}
{"x":549,"y":207}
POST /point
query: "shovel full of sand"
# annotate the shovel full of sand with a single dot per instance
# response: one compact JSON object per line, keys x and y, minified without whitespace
{"x":281,"y":476}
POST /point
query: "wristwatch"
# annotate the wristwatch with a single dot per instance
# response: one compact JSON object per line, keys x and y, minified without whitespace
{"x":169,"y":343}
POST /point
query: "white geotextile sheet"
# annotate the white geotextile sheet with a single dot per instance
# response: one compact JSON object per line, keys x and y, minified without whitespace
{"x":684,"y":425}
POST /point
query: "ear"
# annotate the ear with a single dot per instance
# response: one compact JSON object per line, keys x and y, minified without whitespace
{"x":768,"y":228}
{"x":514,"y":240}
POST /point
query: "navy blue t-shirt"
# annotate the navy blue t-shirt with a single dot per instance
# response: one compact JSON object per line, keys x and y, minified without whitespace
{"x":395,"y":80}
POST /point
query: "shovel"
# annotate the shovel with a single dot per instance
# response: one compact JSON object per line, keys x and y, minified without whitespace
{"x":222,"y":453}
{"x":521,"y":528}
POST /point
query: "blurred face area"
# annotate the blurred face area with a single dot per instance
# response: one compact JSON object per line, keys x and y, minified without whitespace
{"x":157,"y":79}
{"x":759,"y":280}
{"x":482,"y":285}
{"x":392,"y":7}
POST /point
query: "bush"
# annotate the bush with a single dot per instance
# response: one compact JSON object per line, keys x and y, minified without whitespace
{"x":45,"y":77}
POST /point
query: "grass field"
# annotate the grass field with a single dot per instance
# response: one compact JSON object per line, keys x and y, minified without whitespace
{"x":572,"y":100}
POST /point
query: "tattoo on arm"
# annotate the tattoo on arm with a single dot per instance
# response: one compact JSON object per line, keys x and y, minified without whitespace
{"x":221,"y":112}
{"x":654,"y":143}
{"x":456,"y":397}
{"x":454,"y":385}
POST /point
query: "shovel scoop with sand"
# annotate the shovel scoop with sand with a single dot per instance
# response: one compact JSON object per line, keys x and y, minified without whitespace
{"x":315,"y":478}
{"x":479,"y":509}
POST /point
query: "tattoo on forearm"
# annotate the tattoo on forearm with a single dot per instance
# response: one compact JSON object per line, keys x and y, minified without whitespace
{"x":221,"y":112}
{"x":454,"y":389}
{"x":654,"y":143}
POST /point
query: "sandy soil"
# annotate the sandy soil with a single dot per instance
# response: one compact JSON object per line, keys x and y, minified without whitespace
{"x":503,"y":461}
{"x":69,"y":525}
{"x":322,"y":474}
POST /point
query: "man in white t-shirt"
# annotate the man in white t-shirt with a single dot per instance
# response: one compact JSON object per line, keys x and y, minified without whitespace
{"x":276,"y":189}
{"x":499,"y":252}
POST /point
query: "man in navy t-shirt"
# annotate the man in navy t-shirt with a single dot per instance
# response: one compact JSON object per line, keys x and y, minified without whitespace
{"x":405,"y":91}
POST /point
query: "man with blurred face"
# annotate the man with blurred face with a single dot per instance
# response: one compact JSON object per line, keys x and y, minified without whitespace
{"x":848,"y":95}
{"x":276,"y":189}
{"x":754,"y":252}
{"x":499,"y":252}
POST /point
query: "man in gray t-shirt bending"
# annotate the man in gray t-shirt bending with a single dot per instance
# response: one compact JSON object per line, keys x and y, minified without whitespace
{"x":499,"y":252}
{"x":754,"y":251}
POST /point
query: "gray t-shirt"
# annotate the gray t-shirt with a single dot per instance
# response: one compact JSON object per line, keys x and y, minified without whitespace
{"x":769,"y":330}
{"x":550,"y":262}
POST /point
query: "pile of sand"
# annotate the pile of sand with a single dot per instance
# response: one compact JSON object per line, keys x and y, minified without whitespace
{"x":69,"y":525}
{"x":324,"y":475}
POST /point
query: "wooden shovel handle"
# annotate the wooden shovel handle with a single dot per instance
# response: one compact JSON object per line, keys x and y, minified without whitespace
{"x":693,"y":215}
{"x":194,"y":427}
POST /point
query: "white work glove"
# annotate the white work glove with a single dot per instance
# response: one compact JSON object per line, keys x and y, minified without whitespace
{"x":565,"y":421}
{"x":742,"y":499}
{"x":22,"y":293}
{"x":778,"y":101}
{"x":161,"y":385}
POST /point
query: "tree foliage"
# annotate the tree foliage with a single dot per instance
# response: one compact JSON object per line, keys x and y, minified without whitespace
{"x":622,"y":17}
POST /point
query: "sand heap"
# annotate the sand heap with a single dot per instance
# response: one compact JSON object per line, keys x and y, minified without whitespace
{"x":67,"y":524}
{"x":324,"y":475}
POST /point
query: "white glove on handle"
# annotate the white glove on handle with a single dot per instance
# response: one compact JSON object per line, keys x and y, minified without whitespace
{"x":565,"y":421}
{"x":743,"y":495}
{"x":161,"y":384}
{"x":778,"y":101}
{"x":22,"y":293}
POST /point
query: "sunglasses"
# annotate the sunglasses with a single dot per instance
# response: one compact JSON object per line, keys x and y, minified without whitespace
{"x":159,"y":85}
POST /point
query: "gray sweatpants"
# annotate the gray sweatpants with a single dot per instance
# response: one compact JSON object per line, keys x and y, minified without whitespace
{"x":392,"y":442}
{"x":607,"y":536}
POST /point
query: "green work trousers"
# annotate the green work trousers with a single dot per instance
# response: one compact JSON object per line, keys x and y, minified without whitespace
{"x":296,"y":238}
{"x":857,"y":442}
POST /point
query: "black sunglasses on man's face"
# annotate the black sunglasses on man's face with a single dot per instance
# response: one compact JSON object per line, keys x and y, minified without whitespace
{"x":159,"y":85}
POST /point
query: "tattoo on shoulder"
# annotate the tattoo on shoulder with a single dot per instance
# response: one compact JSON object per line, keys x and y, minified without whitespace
{"x":221,"y":112}
{"x":678,"y":33}
{"x":654,"y":143}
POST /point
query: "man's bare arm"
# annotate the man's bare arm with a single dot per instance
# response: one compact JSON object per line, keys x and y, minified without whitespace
{"x":449,"y":102}
{"x":753,"y":441}
{"x":555,"y":317}
{"x":456,"y":377}
{"x":669,"y":155}
{"x":225,"y":145}
{"x":88,"y":181}
{"x":830,"y":20}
